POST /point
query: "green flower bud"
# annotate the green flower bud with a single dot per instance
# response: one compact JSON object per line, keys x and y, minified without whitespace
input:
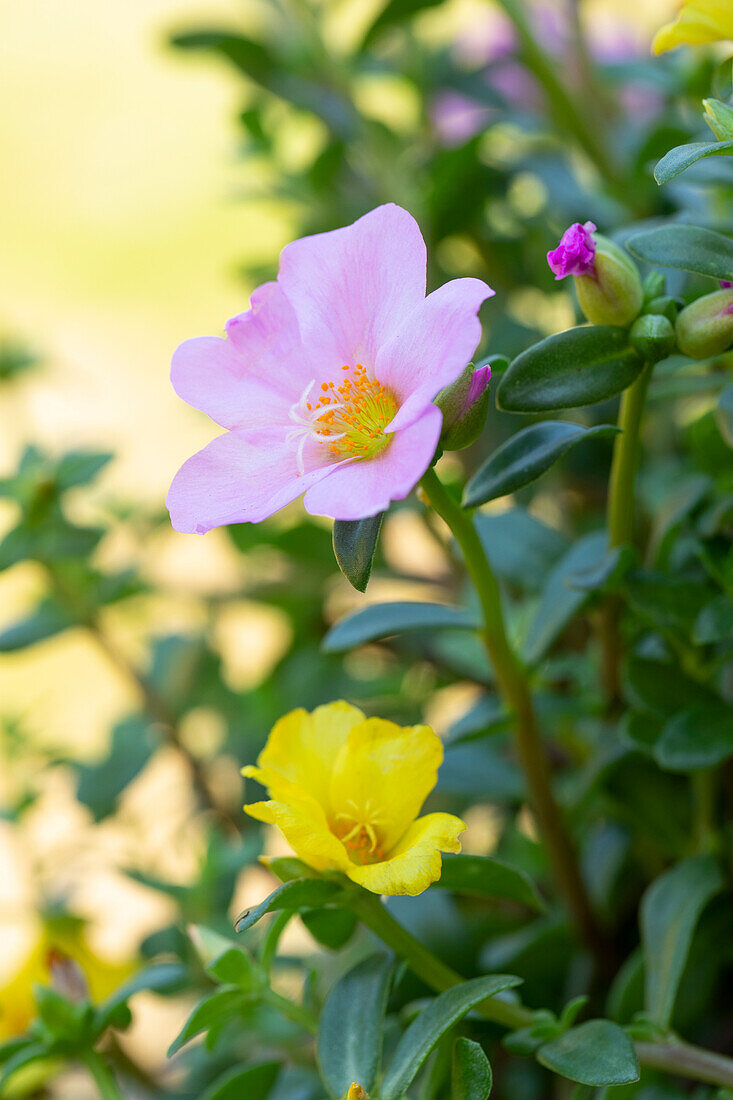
{"x":653,"y":337}
{"x":464,"y":405}
{"x":705,"y":328}
{"x":611,"y":293}
{"x":719,"y":117}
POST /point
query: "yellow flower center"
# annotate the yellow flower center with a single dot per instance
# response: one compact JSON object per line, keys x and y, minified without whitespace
{"x":360,"y":839}
{"x":349,"y":418}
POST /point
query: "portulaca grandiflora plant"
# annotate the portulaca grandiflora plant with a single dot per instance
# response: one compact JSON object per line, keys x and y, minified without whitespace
{"x":577,"y":486}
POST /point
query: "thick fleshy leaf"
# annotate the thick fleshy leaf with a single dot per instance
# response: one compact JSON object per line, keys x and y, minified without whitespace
{"x":210,"y":1013}
{"x":354,"y":544}
{"x":670,"y":910}
{"x":133,"y":742}
{"x":300,"y":893}
{"x":679,"y":159}
{"x":699,"y":738}
{"x":48,"y":619}
{"x":487,"y":877}
{"x":578,"y":367}
{"x":432,"y":1023}
{"x":352,"y":1023}
{"x":253,"y":1083}
{"x":471,"y":1077}
{"x":524,"y":457}
{"x":595,"y":1053}
{"x":559,"y":602}
{"x":384,"y":620}
{"x":715,"y":622}
{"x":685,"y":247}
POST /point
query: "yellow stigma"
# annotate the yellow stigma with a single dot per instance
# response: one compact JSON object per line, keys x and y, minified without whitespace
{"x":352,"y":415}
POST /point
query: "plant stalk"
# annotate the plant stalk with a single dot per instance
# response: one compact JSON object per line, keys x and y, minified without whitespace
{"x":620,"y":519}
{"x":102,"y":1076}
{"x":675,"y":1058}
{"x":514,"y":688}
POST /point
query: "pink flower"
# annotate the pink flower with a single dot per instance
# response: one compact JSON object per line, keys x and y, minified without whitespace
{"x":576,"y":252}
{"x":326,"y":383}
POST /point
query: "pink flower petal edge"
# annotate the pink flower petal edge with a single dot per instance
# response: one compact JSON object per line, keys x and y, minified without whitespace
{"x":326,"y":383}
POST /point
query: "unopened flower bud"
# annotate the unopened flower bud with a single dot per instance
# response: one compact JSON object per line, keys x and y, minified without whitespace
{"x":67,"y":977}
{"x":705,"y":327}
{"x":356,"y":1092}
{"x":607,"y":280}
{"x":653,"y":337}
{"x":664,"y":305}
{"x":719,"y":117}
{"x":464,"y":405}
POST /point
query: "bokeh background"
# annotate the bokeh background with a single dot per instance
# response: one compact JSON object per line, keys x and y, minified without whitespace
{"x":128,"y":222}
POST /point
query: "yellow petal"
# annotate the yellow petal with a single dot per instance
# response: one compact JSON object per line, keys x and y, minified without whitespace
{"x":306,"y":831}
{"x":303,"y":747}
{"x":383,"y":775}
{"x":698,"y":22}
{"x":415,"y":862}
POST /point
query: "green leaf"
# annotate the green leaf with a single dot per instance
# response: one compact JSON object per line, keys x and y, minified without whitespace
{"x":670,"y":910}
{"x":213,"y":1010}
{"x":524,"y":457}
{"x":159,"y":978}
{"x":471,"y":1074}
{"x":47,"y":620}
{"x":699,"y":738}
{"x":724,"y":415}
{"x":521,"y":549}
{"x":662,"y":688}
{"x":253,"y":1083}
{"x":559,"y":602}
{"x":394,"y":12}
{"x":352,"y":1023}
{"x":679,"y":159}
{"x":715,"y":622}
{"x":383,"y":620}
{"x":687,"y":248}
{"x":80,"y":467}
{"x":354,"y":544}
{"x":608,"y":573}
{"x":330,"y":927}
{"x":596,"y":1053}
{"x":32,"y":1052}
{"x":299,"y":893}
{"x":578,"y":367}
{"x":133,"y":742}
{"x":236,"y":967}
{"x":432,"y":1023}
{"x":487,"y":877}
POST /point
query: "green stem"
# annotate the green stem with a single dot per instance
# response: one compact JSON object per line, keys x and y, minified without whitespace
{"x":682,"y":1060}
{"x":102,"y":1076}
{"x":424,"y":963}
{"x":675,"y":1058}
{"x":625,"y":460}
{"x":513,"y":685}
{"x":296,"y":1013}
{"x":703,"y":790}
{"x":620,"y":519}
{"x":271,"y":939}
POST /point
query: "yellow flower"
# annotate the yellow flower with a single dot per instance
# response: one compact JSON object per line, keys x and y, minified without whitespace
{"x":699,"y":21}
{"x":346,"y":791}
{"x":56,"y":941}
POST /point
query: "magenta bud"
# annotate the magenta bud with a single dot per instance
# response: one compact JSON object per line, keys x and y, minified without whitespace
{"x":576,"y":252}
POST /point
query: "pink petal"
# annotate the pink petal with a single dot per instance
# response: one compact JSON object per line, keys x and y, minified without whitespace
{"x":267,"y":337}
{"x":209,"y":373}
{"x":432,"y":346}
{"x":233,"y":480}
{"x":365,"y":487}
{"x":350,"y":288}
